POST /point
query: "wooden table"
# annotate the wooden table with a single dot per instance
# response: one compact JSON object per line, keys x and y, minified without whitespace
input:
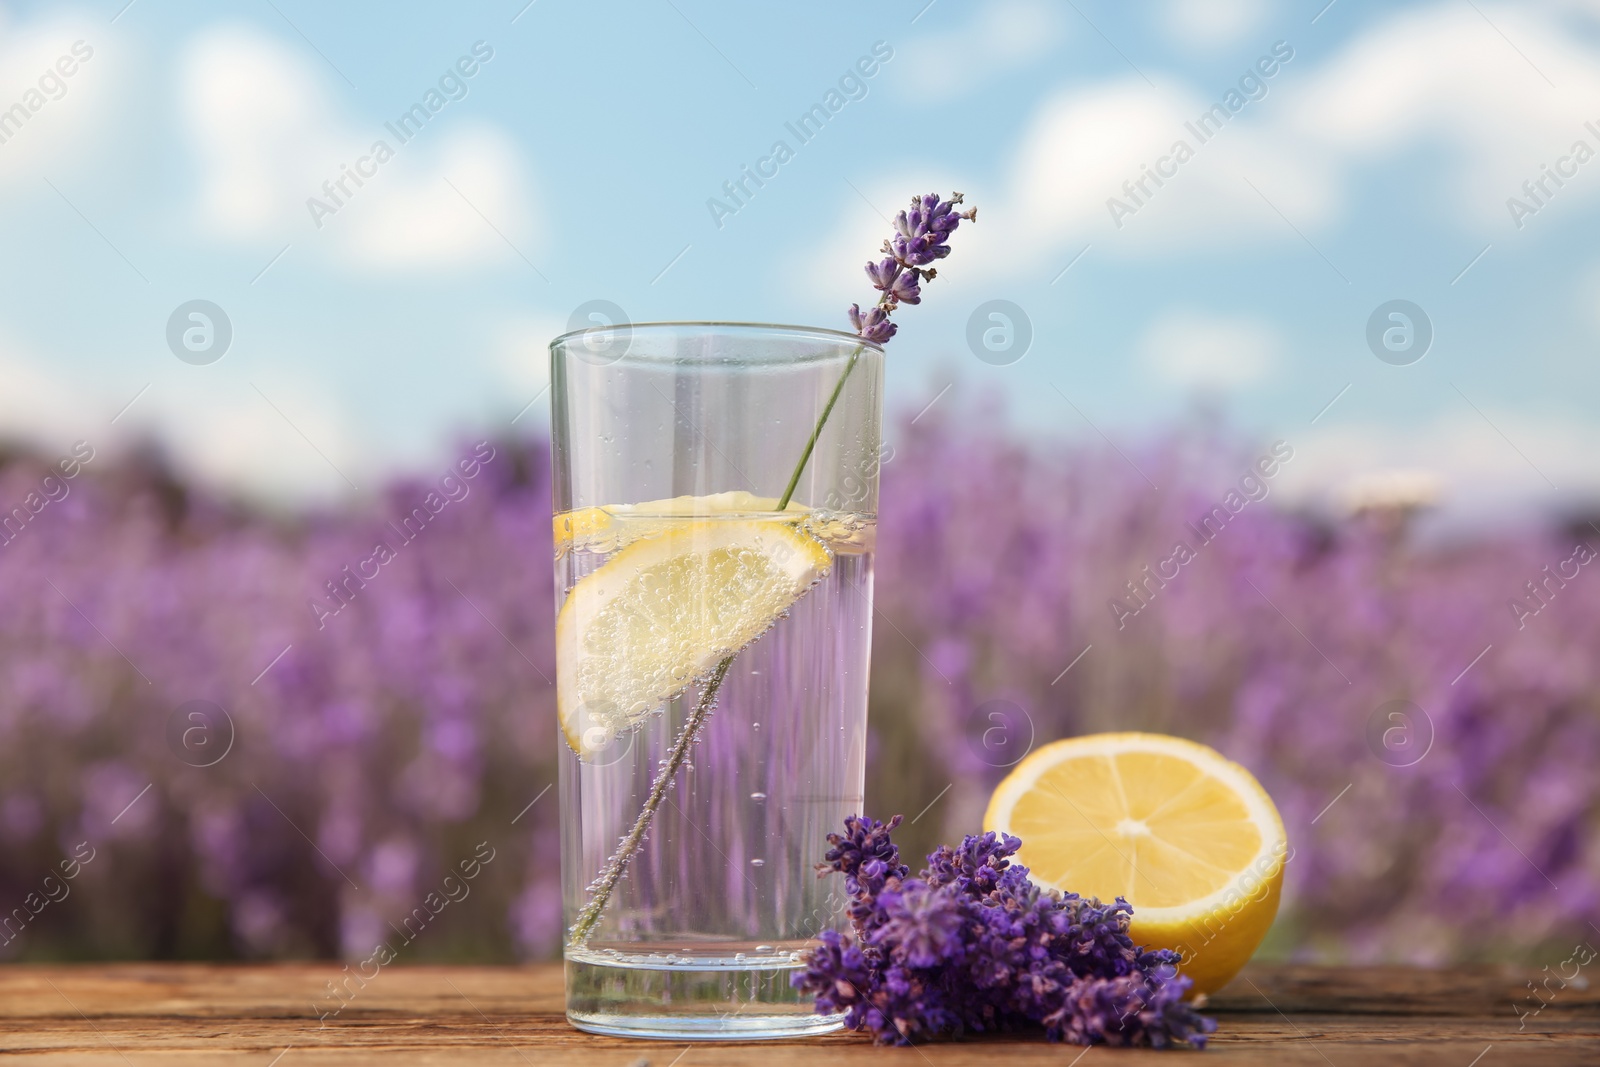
{"x":132,"y":1015}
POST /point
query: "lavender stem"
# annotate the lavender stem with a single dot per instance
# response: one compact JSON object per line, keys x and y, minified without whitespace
{"x":816,"y":431}
{"x":618,"y":864}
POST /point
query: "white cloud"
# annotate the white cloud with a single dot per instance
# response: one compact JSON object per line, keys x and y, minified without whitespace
{"x":39,"y":406}
{"x":1079,"y":146}
{"x":262,"y":125}
{"x":243,"y":443}
{"x":227,"y":437}
{"x":1212,"y":23}
{"x":421,"y":220}
{"x":1477,"y":85}
{"x":1001,"y":36}
{"x":1086,"y":146}
{"x":269,"y":134}
{"x":1201,"y":350}
{"x":1301,"y":147}
{"x":62,"y":117}
{"x":1478,"y":474}
{"x":1080,"y":149}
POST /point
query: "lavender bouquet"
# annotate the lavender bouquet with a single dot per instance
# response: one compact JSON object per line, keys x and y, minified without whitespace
{"x":972,"y":945}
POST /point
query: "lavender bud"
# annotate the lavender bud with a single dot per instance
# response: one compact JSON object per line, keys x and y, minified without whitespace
{"x":883,"y":274}
{"x":920,"y":238}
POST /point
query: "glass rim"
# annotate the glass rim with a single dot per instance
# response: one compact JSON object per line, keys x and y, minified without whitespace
{"x":822,"y":332}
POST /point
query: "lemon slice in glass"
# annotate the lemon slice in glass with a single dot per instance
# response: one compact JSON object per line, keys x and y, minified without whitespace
{"x":1189,"y":838}
{"x":695,"y":587}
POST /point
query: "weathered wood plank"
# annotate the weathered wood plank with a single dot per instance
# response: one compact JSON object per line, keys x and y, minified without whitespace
{"x":135,"y":1015}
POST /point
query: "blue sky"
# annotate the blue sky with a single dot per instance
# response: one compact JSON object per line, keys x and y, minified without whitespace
{"x":176,"y":162}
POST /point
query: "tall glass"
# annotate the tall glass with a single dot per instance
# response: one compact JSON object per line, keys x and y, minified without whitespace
{"x":713,"y":482}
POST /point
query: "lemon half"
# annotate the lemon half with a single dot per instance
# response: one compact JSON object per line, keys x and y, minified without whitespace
{"x":1189,"y":838}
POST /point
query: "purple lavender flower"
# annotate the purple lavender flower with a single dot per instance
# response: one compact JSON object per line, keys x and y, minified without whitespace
{"x":872,"y":324}
{"x":975,"y":945}
{"x":921,"y":237}
{"x":1130,"y":1010}
{"x":843,"y":977}
{"x":976,"y":865}
{"x":867,"y":858}
{"x":921,"y":923}
{"x":891,"y":278}
{"x":883,"y":274}
{"x":864,"y":840}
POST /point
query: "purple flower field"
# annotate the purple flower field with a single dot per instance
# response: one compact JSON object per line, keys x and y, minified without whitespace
{"x":386,"y":675}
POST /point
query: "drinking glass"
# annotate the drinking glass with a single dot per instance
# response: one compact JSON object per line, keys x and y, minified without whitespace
{"x":690,"y":832}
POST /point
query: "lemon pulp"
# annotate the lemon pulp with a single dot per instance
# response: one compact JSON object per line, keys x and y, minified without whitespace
{"x":1188,"y":838}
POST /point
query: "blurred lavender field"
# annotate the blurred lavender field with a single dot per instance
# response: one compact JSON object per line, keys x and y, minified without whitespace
{"x":399,"y":733}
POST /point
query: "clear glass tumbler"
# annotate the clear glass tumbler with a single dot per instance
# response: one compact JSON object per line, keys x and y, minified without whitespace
{"x":716,"y":490}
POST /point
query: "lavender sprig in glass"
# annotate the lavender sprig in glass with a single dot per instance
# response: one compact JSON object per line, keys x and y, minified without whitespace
{"x":922,"y":238}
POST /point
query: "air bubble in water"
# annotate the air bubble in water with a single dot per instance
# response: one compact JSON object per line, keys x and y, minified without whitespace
{"x":758,"y":863}
{"x":758,"y":796}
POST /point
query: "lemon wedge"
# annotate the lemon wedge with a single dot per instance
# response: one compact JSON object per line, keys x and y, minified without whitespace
{"x":1189,"y":838}
{"x":694,"y":588}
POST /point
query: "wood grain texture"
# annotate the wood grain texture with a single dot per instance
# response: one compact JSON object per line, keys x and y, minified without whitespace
{"x":142,"y":1015}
